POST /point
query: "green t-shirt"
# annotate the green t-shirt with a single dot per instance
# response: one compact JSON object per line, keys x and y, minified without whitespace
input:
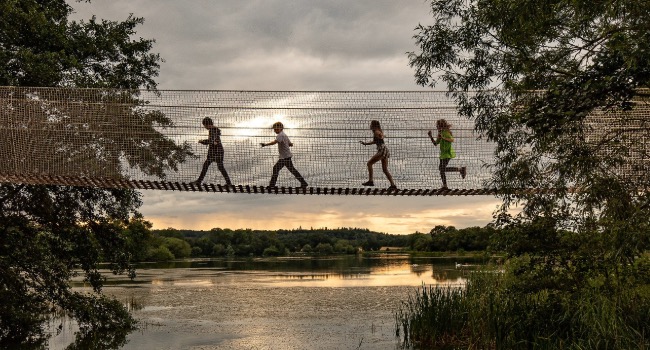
{"x":446,"y":151}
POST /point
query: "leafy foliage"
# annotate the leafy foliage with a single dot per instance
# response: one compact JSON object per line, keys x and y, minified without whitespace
{"x":560,"y":87}
{"x":487,"y":314}
{"x":246,"y":242}
{"x":448,"y":238}
{"x":42,"y":47}
{"x":48,"y":233}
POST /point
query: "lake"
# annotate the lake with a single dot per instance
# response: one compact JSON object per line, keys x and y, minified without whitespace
{"x":339,"y":302}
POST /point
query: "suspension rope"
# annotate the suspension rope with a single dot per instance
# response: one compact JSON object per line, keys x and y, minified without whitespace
{"x":126,"y":139}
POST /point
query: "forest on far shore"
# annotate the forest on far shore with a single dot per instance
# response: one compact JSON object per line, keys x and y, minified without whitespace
{"x":170,"y":243}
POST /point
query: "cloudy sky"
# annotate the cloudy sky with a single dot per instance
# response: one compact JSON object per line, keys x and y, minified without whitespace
{"x":288,"y":45}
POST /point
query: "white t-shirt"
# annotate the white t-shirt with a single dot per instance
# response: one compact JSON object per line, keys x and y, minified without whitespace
{"x":283,"y":145}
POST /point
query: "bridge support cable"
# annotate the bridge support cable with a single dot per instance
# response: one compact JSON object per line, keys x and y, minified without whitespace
{"x":150,"y":140}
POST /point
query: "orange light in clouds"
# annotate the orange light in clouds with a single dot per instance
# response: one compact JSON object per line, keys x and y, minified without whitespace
{"x":390,"y":215}
{"x":269,"y":221}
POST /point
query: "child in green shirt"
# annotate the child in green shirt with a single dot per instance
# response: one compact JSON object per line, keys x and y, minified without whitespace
{"x":445,"y":138}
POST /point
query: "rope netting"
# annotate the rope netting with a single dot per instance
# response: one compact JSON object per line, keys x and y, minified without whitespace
{"x":138,"y":139}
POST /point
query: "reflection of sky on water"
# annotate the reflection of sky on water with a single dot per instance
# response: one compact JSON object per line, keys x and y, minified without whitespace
{"x":333,"y":272}
{"x":393,"y":275}
{"x":326,"y":302}
{"x":186,"y":283}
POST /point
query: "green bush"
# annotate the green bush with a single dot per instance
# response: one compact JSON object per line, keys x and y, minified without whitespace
{"x":271,"y":251}
{"x":178,"y":247}
{"x":196,"y":251}
{"x":324,"y":248}
{"x":161,"y":253}
{"x":489,"y":313}
{"x":218,"y":250}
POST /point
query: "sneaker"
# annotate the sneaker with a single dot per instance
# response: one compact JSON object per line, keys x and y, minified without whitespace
{"x":392,"y":187}
{"x":368,"y":183}
{"x":463,"y":172}
{"x":444,"y":188}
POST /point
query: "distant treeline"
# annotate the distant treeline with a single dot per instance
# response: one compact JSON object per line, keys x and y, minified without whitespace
{"x":173,"y":243}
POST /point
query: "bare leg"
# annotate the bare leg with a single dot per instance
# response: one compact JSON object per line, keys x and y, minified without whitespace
{"x":384,"y":167}
{"x":372,"y":162}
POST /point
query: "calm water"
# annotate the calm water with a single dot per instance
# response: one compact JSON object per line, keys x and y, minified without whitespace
{"x":282,"y":303}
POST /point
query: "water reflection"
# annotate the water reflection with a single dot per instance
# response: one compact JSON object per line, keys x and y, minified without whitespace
{"x":395,"y":273}
{"x":237,"y":303}
{"x":334,"y":271}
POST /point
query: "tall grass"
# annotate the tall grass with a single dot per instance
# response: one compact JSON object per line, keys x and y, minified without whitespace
{"x":487,"y":314}
{"x":433,"y":316}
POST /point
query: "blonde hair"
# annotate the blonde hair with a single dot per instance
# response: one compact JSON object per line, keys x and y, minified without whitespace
{"x":443,"y":124}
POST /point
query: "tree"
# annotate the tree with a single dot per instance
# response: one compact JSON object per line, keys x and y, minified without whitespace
{"x":324,"y":248}
{"x":178,"y":247}
{"x":343,"y":246}
{"x":160,"y":253}
{"x":271,"y":251}
{"x":137,"y":235}
{"x":558,"y":86}
{"x":47,"y":232}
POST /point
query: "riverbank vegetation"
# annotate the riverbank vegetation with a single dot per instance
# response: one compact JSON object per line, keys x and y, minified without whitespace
{"x":172,"y":243}
{"x":50,"y":234}
{"x":497,"y":310}
{"x":577,"y":271}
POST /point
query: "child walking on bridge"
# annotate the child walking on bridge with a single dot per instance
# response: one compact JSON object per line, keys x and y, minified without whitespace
{"x":445,"y":139}
{"x":382,"y":154}
{"x":283,"y":142}
{"x":215,"y":151}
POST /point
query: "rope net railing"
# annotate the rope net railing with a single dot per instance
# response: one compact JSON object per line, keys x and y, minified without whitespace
{"x":150,"y":140}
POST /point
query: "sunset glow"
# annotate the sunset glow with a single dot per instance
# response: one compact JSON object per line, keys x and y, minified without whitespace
{"x":395,"y":216}
{"x":259,"y":126}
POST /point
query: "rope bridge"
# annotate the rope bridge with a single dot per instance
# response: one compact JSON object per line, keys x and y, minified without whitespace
{"x":150,"y":140}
